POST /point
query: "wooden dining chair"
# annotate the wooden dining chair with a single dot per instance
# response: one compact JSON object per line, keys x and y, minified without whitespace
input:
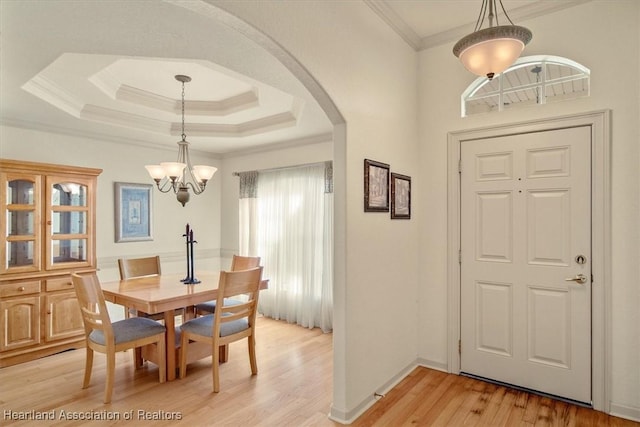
{"x":238,"y":263}
{"x":105,"y":337}
{"x":140,"y":267}
{"x":228,"y":324}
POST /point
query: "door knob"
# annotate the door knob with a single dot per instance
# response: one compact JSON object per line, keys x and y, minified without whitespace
{"x":580,"y":278}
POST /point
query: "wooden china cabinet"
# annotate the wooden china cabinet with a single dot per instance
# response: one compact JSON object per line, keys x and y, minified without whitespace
{"x":48,"y":231}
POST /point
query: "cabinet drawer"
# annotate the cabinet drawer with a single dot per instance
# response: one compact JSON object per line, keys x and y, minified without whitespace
{"x":19,"y":288}
{"x":59,"y":284}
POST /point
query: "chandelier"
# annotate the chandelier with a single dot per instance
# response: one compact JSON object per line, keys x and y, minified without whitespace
{"x":180,"y":176}
{"x":490,"y":51}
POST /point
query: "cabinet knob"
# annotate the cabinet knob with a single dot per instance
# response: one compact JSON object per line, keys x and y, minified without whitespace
{"x":48,"y":222}
{"x":21,"y":289}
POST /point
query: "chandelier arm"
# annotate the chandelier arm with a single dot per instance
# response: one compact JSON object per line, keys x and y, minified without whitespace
{"x":505,"y":13}
{"x":196,"y":188}
{"x":483,"y":12}
{"x":166,"y":185}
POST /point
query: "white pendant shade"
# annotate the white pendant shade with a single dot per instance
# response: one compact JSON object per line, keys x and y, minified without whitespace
{"x":492,"y":56}
{"x":156,"y":171}
{"x":490,"y":51}
{"x":204,"y":173}
{"x":173,"y":169}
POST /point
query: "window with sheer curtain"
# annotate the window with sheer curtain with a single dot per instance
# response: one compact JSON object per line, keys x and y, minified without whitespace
{"x":286,"y":218}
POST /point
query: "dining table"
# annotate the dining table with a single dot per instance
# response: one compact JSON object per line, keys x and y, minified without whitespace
{"x":165,"y":293}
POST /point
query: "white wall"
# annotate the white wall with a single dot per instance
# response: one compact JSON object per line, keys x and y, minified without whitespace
{"x":125,"y":163}
{"x":603,"y":36}
{"x":398,"y":268}
{"x":370,"y":75}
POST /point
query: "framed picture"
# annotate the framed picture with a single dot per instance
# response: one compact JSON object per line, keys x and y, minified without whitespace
{"x":133,"y":212}
{"x":400,"y":196}
{"x":376,"y":186}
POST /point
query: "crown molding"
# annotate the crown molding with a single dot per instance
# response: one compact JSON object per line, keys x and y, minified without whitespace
{"x":58,"y":130}
{"x":291,"y":143}
{"x":116,"y":90}
{"x":54,"y":94}
{"x":39,"y":127}
{"x":121,"y":118}
{"x":240,"y":102}
{"x":523,"y":13}
{"x":252,"y":127}
{"x":392,"y":19}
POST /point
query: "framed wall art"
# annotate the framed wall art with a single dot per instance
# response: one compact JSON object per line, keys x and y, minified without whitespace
{"x":133,"y":212}
{"x":400,"y":196}
{"x":376,"y":186}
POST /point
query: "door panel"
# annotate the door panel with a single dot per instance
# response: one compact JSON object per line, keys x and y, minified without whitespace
{"x":525,"y":216}
{"x":494,"y":331}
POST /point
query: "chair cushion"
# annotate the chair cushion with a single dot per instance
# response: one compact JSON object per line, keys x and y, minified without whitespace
{"x":204,"y":326}
{"x":129,"y":330}
{"x":210,"y":306}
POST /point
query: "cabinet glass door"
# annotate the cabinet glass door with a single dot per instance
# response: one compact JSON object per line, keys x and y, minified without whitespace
{"x":68,"y":228}
{"x":21,"y":222}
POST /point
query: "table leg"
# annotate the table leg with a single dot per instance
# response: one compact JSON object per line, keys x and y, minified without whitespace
{"x":170,"y":324}
{"x":223,"y":351}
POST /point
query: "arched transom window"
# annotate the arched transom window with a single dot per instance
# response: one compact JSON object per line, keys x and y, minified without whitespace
{"x":531,"y":80}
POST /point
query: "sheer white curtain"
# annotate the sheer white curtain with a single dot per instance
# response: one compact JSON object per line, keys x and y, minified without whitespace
{"x":290,"y":226}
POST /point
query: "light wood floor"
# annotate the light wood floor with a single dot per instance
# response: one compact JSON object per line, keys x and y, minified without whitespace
{"x":293,"y":388}
{"x":433,"y":398}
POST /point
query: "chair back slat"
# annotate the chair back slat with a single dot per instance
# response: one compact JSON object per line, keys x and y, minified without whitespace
{"x":244,"y":262}
{"x":139,"y":267}
{"x":95,"y":315}
{"x":238,"y":311}
{"x":233,"y":283}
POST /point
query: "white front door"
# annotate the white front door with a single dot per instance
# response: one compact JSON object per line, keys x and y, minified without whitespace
{"x":525,"y":233}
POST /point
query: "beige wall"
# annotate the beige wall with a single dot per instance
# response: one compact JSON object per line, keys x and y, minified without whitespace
{"x":398,"y":106}
{"x":370,"y":75}
{"x":604,"y":37}
{"x":125,"y":163}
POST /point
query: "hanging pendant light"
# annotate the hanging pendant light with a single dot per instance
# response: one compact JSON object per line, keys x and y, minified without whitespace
{"x":180,"y":176}
{"x":490,"y":51}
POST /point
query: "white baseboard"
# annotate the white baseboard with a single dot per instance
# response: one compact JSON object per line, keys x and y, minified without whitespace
{"x":438,"y":366}
{"x":350,"y":416}
{"x":623,"y":411}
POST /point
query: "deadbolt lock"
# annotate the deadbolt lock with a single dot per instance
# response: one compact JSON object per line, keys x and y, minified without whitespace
{"x":581,"y":259}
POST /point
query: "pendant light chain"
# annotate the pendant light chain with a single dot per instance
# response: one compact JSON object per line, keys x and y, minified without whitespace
{"x":184,"y":136}
{"x":505,"y":13}
{"x":181,"y":177}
